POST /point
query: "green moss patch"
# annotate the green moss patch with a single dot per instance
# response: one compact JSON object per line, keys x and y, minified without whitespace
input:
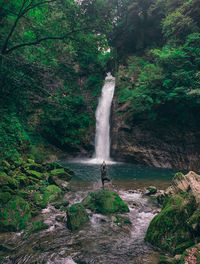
{"x":14,"y":214}
{"x":76,"y":216}
{"x":105,"y":202}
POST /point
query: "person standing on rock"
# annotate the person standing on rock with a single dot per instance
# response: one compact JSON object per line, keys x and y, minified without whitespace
{"x":104,"y":178}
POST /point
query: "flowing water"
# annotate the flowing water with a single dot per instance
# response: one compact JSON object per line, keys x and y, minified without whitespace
{"x":101,"y":240}
{"x":102,"y":135}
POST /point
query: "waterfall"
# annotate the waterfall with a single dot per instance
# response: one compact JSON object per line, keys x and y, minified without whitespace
{"x":102,"y":136}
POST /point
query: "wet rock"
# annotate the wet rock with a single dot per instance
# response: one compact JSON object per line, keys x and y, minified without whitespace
{"x":60,"y":178}
{"x":6,"y":180}
{"x":14,"y":214}
{"x":151,"y":190}
{"x":170,"y":230}
{"x":34,"y":228}
{"x":189,"y":183}
{"x":46,"y":195}
{"x":76,"y":216}
{"x":34,"y":174}
{"x":191,"y":255}
{"x":61,"y":205}
{"x":121,"y":220}
{"x":60,"y":218}
{"x":103,"y":201}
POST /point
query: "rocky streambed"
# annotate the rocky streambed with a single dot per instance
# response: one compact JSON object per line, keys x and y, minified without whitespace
{"x":107,"y":237}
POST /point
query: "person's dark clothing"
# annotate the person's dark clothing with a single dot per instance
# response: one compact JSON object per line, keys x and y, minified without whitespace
{"x":103,"y":173}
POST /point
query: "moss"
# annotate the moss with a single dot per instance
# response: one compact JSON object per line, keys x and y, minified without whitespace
{"x":14,"y":214}
{"x":170,"y":228}
{"x":104,"y":202}
{"x":76,"y":216}
{"x":179,"y":176}
{"x":61,"y":205}
{"x":7,"y":180}
{"x":34,"y":174}
{"x":121,"y":220}
{"x":152,"y":190}
{"x":34,"y":228}
{"x":5,"y":197}
{"x":47,"y":195}
{"x":61,"y":174}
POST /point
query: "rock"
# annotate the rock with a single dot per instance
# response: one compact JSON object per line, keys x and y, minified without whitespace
{"x":55,"y":165}
{"x":170,"y":229}
{"x":34,"y":174}
{"x":191,"y":255}
{"x":152,"y":143}
{"x":60,"y":178}
{"x":103,"y":201}
{"x":6,"y":180}
{"x":47,"y":195}
{"x":34,"y":228}
{"x":61,"y":174}
{"x":60,"y":218}
{"x":189,"y":183}
{"x":165,"y":260}
{"x":76,"y":216}
{"x":5,"y":197}
{"x":151,"y":190}
{"x":61,"y":205}
{"x":14,"y":214}
{"x":121,"y":220}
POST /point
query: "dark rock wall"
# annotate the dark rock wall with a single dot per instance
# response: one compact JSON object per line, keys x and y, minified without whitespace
{"x":159,"y":147}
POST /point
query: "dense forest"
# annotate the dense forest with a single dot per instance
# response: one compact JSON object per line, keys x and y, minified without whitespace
{"x":54,"y":57}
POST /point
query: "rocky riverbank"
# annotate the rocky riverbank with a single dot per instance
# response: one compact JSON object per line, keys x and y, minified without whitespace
{"x":28,"y":187}
{"x":176,"y":229}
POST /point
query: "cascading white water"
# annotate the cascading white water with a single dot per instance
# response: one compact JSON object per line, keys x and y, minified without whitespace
{"x":102,"y":136}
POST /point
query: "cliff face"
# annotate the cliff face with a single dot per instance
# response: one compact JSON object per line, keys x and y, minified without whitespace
{"x":166,"y":147}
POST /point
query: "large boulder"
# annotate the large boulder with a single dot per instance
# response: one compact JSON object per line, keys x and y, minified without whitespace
{"x":189,"y":183}
{"x":60,"y":178}
{"x":76,"y":216}
{"x":105,"y":202}
{"x":46,"y":195}
{"x":14,"y":214}
{"x":171,"y":229}
{"x":6,"y":180}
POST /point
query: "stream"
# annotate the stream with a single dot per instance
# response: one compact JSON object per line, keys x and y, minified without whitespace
{"x":101,"y":240}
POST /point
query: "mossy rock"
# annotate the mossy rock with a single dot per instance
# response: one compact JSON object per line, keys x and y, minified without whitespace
{"x":64,"y":185}
{"x":61,"y":174}
{"x":22,"y":179}
{"x":47,"y":195}
{"x":34,"y":174}
{"x":151,"y":190}
{"x":34,"y":228}
{"x":121,"y":220}
{"x":6,"y":165}
{"x":170,"y":228}
{"x":52,"y":166}
{"x":191,"y":255}
{"x":76,"y":216}
{"x":105,"y":202}
{"x":7,"y":180}
{"x":61,"y":205}
{"x":14,"y":214}
{"x":5,"y":197}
